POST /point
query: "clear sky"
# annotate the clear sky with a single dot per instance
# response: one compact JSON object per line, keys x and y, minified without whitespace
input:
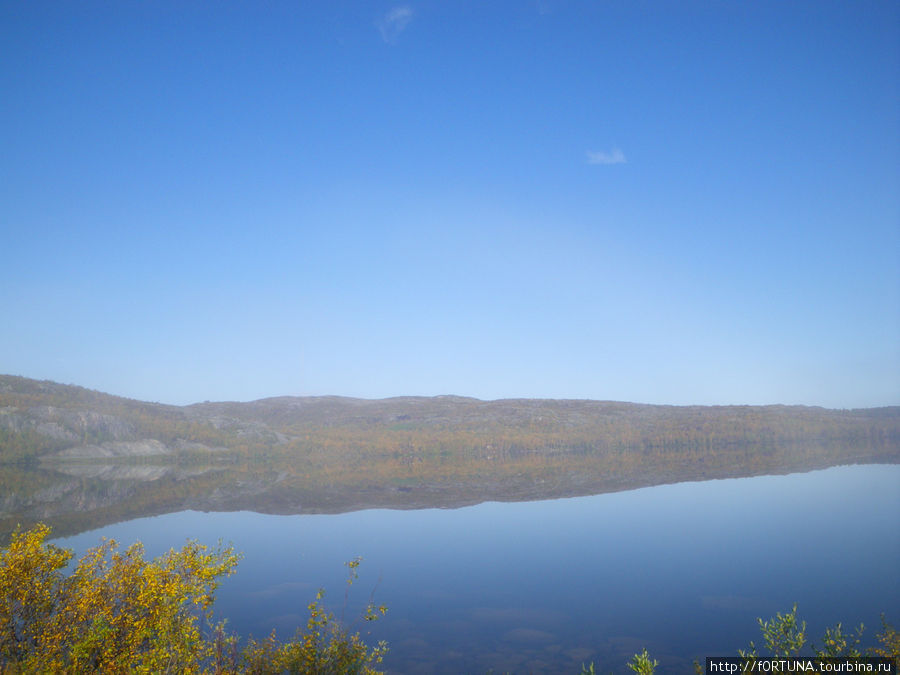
{"x":662,"y":202}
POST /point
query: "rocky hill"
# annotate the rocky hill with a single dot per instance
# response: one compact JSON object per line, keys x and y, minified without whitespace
{"x":50,"y":421}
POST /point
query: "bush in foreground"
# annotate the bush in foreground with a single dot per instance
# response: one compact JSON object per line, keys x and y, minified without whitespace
{"x":118,"y":613}
{"x":784,"y":635}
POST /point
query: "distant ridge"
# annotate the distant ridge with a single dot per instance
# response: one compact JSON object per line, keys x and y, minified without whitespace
{"x":24,"y":385}
{"x":43,"y":419}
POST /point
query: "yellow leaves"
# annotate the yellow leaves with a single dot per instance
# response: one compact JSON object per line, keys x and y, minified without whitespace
{"x":118,"y":613}
{"x":29,"y":574}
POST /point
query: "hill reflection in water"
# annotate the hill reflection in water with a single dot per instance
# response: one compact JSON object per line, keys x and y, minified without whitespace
{"x":77,"y":496}
{"x":682,"y":569}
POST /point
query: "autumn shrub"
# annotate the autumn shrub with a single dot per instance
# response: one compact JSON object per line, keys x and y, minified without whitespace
{"x":119,"y":613}
{"x":784,"y":635}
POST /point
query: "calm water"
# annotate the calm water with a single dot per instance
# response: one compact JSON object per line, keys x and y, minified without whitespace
{"x":682,"y":570}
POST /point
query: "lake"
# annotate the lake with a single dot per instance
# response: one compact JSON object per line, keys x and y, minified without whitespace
{"x":683,"y":570}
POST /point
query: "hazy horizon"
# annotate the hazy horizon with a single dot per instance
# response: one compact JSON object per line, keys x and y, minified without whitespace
{"x":691,"y":204}
{"x":445,"y":395}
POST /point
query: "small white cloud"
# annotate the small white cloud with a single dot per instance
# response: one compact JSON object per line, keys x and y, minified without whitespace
{"x":614,"y":156}
{"x":394,"y":22}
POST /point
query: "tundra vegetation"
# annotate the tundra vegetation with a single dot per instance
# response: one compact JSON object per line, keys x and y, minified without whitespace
{"x":45,"y":420}
{"x":116,"y":612}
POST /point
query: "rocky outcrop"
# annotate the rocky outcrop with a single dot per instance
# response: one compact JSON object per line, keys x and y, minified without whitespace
{"x":65,"y":424}
{"x":143,"y":448}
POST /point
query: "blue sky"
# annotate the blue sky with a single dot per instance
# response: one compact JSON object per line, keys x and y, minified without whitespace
{"x":684,"y":203}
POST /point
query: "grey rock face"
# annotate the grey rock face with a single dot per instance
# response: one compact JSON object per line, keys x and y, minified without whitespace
{"x":65,"y":424}
{"x":144,"y":448}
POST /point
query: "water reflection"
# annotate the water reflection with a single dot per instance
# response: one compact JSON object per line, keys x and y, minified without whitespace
{"x":682,"y":569}
{"x":76,"y":496}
